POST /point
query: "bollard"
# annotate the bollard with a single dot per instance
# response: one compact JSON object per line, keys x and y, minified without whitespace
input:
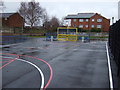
{"x":82,"y":39}
{"x":51,"y":38}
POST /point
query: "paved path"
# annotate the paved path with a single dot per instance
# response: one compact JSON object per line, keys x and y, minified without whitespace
{"x":74,"y":65}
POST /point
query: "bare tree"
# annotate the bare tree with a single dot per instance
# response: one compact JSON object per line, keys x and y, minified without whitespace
{"x":32,"y":12}
{"x":62,"y":21}
{"x":54,"y":23}
{"x":46,"y":22}
{"x":45,"y":17}
{"x":2,"y":6}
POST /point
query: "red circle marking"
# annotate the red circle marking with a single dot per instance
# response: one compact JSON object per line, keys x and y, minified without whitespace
{"x":18,"y":56}
{"x":10,"y":60}
{"x":51,"y":71}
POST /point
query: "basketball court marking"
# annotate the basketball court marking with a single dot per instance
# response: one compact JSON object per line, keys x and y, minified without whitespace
{"x":51,"y":71}
{"x":6,"y":60}
{"x":3,"y":61}
{"x":8,"y":63}
{"x":40,"y":71}
{"x":109,"y":67}
{"x":18,"y":58}
{"x":10,"y":60}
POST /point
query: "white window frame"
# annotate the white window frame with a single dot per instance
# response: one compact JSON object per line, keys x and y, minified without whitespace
{"x":74,"y":20}
{"x":92,"y":26}
{"x":80,"y":26}
{"x":99,"y":20}
{"x":99,"y":26}
{"x":67,"y":22}
{"x":86,"y":26}
{"x":93,"y":20}
{"x":81,"y":20}
{"x":87,"y":20}
{"x":6,"y":18}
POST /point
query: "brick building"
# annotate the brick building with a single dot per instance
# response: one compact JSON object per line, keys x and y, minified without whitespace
{"x":87,"y":21}
{"x":12,"y":20}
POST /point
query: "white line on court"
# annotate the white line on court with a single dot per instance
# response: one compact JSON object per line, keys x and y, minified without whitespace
{"x":40,"y":71}
{"x":109,"y":67}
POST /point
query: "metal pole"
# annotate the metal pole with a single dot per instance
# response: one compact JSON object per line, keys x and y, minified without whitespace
{"x":67,"y":34}
{"x":89,"y":29}
{"x":112,"y":20}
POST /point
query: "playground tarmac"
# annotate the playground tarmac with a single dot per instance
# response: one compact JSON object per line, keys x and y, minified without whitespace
{"x":58,"y":64}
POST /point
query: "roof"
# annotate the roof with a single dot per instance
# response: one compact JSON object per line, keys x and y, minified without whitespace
{"x":6,"y":15}
{"x":81,"y":15}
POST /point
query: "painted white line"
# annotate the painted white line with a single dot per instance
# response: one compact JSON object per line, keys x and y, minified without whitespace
{"x":109,"y":67}
{"x":8,"y":45}
{"x":40,"y":71}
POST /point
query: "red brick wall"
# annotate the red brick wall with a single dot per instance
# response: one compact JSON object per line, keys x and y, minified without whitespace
{"x":4,"y":22}
{"x":14,"y":20}
{"x":105,"y":23}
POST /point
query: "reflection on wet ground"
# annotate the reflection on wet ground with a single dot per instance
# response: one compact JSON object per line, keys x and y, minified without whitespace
{"x":79,"y":65}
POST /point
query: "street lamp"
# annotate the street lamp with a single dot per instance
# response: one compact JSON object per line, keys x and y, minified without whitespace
{"x":112,"y":20}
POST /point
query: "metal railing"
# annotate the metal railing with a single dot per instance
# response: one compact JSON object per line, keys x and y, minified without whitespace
{"x":114,"y":43}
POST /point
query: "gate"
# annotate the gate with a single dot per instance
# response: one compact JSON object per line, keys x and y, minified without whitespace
{"x":67,"y":34}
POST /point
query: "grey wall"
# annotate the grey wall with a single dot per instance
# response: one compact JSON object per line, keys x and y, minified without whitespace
{"x":119,"y":10}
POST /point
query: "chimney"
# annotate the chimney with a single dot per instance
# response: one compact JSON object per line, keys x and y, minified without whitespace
{"x":119,"y":10}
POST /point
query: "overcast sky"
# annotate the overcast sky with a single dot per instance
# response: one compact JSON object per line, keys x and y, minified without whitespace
{"x":61,"y":8}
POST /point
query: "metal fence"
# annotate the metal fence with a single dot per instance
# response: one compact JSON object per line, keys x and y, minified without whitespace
{"x":114,"y":43}
{"x":10,"y":30}
{"x":11,"y":39}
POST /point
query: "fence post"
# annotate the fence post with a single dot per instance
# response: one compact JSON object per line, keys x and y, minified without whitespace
{"x":51,"y":38}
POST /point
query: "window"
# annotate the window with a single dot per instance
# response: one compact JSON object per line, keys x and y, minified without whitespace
{"x":86,"y":20}
{"x":99,"y":26}
{"x":93,"y":20}
{"x":92,"y":26}
{"x":74,"y":20}
{"x":99,"y":20}
{"x":80,"y":20}
{"x":86,"y":26}
{"x":80,"y":26}
{"x":5,"y":18}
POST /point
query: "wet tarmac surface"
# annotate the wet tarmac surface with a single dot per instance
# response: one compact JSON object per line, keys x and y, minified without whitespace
{"x":74,"y":65}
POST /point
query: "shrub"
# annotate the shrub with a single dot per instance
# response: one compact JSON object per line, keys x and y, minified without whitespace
{"x":95,"y":30}
{"x":82,"y":30}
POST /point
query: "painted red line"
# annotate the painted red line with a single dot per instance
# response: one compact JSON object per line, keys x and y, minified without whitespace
{"x":10,"y":61}
{"x":7,"y":63}
{"x":51,"y":71}
{"x":5,"y":58}
{"x":4,"y":61}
